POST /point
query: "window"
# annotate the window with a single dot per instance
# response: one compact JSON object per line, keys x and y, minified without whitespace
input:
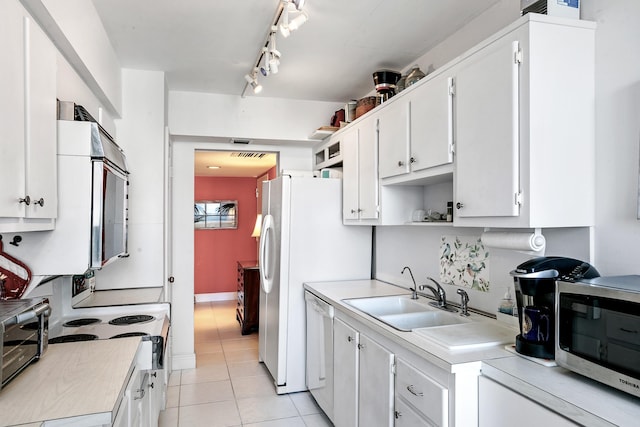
{"x":215,"y":214}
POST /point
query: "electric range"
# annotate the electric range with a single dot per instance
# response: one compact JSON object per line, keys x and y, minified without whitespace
{"x":150,"y":321}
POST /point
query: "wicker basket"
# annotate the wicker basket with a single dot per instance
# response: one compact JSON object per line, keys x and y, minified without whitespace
{"x":364,"y":105}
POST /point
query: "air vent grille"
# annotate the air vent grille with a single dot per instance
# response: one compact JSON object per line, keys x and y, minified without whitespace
{"x":537,"y":7}
{"x":248,"y":155}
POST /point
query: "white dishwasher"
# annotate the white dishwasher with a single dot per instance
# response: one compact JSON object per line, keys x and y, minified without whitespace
{"x":320,"y":352}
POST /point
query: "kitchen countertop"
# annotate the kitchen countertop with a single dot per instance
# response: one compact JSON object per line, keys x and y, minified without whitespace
{"x":84,"y":378}
{"x":335,"y":292}
{"x":576,"y":397}
{"x":121,"y":297}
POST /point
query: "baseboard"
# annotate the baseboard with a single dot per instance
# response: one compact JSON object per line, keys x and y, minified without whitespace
{"x":183,"y":361}
{"x":217,"y":296}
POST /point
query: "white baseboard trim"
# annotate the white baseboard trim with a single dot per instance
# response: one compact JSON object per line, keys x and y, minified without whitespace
{"x":217,"y":296}
{"x":183,"y":361}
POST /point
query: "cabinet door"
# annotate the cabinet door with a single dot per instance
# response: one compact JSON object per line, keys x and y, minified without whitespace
{"x":487,"y":141}
{"x":350,"y":174}
{"x":375,"y":397}
{"x":431,"y":115}
{"x":40,"y":116}
{"x":393,"y":139}
{"x":499,"y":407}
{"x":407,"y":417}
{"x":345,"y":371}
{"x":12,"y":110}
{"x":368,"y":169}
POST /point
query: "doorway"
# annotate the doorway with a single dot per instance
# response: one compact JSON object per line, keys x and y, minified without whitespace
{"x":228,"y":185}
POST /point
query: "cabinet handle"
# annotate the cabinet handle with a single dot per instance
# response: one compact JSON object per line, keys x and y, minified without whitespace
{"x":412,"y":160}
{"x":360,"y":346}
{"x":413,"y":391}
{"x":459,"y":205}
{"x":26,"y":200}
{"x":353,"y":211}
{"x":398,"y":414}
{"x":400,"y":163}
{"x":39,"y":202}
{"x":349,"y":338}
{"x":140,"y":395}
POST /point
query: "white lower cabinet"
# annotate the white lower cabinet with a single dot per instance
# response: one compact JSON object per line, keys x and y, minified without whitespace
{"x":157,"y":388}
{"x":143,"y":399}
{"x":501,"y":407}
{"x":363,"y":379}
{"x":428,"y":398}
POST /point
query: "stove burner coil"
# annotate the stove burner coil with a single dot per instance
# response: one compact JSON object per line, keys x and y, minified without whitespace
{"x":81,"y":322}
{"x":130,"y":320}
{"x":130,"y":334}
{"x":72,"y":338}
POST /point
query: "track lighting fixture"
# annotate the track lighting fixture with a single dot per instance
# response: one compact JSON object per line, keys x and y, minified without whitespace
{"x":252,"y":80}
{"x":268,"y":61}
{"x":294,"y":24}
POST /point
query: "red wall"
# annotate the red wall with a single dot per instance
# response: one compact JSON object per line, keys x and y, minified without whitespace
{"x":217,"y":251}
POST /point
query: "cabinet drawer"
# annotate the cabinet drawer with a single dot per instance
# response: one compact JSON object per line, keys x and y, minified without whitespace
{"x":426,"y":395}
{"x":405,"y":416}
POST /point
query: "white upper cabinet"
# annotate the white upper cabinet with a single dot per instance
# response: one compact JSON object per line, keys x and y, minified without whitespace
{"x":524,"y":127}
{"x":416,"y":129}
{"x":431,"y":124}
{"x":360,"y":173}
{"x":394,"y":139}
{"x":28,"y":199}
{"x":487,"y":144}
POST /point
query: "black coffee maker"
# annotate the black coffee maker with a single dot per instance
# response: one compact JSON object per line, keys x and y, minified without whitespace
{"x":535,"y":286}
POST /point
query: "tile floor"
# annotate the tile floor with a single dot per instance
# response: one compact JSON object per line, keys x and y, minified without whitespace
{"x":229,"y":387}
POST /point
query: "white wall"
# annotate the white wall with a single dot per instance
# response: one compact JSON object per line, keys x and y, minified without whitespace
{"x":419,"y":248}
{"x":617,"y":231}
{"x":141,"y":136}
{"x":206,"y":114}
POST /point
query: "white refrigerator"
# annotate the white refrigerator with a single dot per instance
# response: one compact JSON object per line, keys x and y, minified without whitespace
{"x":302,"y":240}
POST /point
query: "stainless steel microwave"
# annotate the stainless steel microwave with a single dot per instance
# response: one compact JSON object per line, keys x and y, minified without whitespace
{"x":598,"y":330}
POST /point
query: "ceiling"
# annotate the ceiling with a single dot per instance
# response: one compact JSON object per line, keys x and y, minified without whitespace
{"x":209,"y":45}
{"x":234,"y":163}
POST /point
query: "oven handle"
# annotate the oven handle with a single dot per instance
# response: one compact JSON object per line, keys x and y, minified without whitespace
{"x":27,"y":316}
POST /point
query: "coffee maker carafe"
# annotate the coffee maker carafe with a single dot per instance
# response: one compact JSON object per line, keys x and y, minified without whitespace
{"x":535,"y":286}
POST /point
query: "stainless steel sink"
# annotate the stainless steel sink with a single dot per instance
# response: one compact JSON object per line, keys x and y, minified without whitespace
{"x":403,"y":313}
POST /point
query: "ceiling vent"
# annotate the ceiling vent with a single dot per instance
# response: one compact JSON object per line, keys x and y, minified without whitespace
{"x":248,"y":155}
{"x":240,"y":141}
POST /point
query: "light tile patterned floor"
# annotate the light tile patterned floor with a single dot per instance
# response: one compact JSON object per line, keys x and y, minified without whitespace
{"x":229,"y":387}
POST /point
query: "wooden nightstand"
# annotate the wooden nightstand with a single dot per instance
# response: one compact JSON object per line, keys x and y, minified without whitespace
{"x":248,"y":296}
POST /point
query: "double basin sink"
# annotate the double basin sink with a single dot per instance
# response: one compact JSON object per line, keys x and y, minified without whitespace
{"x":450,"y":330}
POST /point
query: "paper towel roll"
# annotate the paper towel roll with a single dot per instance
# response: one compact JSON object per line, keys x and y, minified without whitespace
{"x":512,"y":240}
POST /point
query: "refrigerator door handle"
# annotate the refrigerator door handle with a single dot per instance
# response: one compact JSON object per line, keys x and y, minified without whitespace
{"x":266,"y":257}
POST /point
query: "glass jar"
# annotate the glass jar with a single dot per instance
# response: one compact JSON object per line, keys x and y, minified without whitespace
{"x":414,"y":75}
{"x":401,"y":84}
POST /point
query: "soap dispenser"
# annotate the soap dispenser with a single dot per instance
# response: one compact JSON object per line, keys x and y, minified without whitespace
{"x":507,"y":306}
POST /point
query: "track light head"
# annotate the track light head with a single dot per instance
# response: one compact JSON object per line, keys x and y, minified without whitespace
{"x":286,"y":28}
{"x":253,"y":82}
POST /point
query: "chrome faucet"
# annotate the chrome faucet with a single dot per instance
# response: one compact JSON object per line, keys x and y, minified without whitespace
{"x":464,"y":299}
{"x":415,"y":288}
{"x":438,"y":292}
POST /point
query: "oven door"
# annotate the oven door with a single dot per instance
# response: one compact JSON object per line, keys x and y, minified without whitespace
{"x":108,"y":214}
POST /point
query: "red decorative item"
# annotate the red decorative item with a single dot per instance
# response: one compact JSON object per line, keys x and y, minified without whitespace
{"x":14,"y":276}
